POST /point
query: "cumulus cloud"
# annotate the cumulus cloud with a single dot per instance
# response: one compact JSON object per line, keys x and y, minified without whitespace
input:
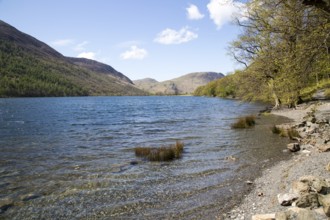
{"x":134,"y":53}
{"x":193,"y":13}
{"x":223,"y":11}
{"x":62,"y":42}
{"x":170,"y":36}
{"x":88,"y":55}
{"x":81,"y":46}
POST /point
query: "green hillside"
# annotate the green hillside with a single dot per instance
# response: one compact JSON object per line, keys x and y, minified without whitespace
{"x":29,"y":67}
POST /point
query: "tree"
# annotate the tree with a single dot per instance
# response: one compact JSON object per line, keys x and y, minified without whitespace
{"x":283,"y":42}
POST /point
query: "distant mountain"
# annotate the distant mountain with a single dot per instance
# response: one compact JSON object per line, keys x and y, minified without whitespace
{"x":29,"y":67}
{"x":179,"y":86}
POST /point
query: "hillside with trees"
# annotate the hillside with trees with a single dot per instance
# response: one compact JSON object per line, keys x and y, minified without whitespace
{"x":30,"y":68}
{"x":284,"y":47}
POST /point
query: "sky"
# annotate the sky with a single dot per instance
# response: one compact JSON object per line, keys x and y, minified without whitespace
{"x":160,"y":39}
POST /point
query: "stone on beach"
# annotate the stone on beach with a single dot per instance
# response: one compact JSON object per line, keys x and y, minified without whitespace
{"x":294,"y":147}
{"x":287,"y":199}
{"x":316,"y":184}
{"x":299,"y":187}
{"x":324,"y":148}
{"x":325,"y":202}
{"x":264,"y":217}
{"x":296,"y":214}
{"x":308,"y":200}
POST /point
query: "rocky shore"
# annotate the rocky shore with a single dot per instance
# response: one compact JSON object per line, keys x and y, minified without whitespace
{"x":298,"y":188}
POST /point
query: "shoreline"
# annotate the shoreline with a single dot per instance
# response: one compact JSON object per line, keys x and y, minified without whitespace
{"x":262,"y":201}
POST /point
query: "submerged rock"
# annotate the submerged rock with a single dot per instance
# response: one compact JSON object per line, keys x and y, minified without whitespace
{"x":5,"y":203}
{"x":29,"y":197}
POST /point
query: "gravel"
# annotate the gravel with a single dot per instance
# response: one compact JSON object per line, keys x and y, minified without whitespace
{"x":278,"y":179}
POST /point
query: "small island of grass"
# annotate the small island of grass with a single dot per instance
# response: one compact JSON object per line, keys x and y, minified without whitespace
{"x":244,"y":122}
{"x":163,"y":153}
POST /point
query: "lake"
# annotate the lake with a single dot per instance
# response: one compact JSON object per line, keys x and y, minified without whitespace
{"x":71,"y":158}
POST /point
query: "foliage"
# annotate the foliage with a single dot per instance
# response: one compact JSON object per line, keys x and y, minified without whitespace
{"x":25,"y":73}
{"x":285,"y":48}
{"x":163,"y":153}
{"x":244,"y":122}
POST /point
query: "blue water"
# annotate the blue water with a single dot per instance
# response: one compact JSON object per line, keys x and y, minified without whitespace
{"x":71,"y":157}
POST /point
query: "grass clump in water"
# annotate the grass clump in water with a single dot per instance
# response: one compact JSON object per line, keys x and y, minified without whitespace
{"x":244,"y":122}
{"x":283,"y":132}
{"x":163,"y":153}
{"x":276,"y":130}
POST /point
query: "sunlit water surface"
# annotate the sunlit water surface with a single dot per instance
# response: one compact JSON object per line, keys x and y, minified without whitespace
{"x":71,"y":158}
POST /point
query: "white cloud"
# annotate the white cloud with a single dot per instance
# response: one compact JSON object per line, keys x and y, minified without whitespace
{"x":170,"y":36}
{"x":128,"y":44}
{"x":88,"y":55}
{"x":134,"y":53}
{"x":223,"y":11}
{"x":81,"y":46}
{"x":62,"y":42}
{"x":193,"y":13}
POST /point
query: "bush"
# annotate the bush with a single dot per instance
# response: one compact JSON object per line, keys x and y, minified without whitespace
{"x":163,"y":153}
{"x":244,"y":122}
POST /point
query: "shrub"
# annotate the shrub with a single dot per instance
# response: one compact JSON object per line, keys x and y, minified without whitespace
{"x":244,"y":122}
{"x":163,"y":153}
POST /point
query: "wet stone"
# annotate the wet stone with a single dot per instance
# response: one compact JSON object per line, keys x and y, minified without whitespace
{"x":29,"y":197}
{"x":5,"y":203}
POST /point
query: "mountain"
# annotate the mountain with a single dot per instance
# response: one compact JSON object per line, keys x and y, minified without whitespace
{"x":179,"y":86}
{"x":29,"y":67}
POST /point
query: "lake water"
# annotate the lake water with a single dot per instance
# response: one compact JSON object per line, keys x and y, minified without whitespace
{"x":70,"y":158}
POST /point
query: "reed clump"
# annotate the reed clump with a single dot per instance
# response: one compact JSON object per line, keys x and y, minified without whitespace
{"x":244,"y":122}
{"x":286,"y":132}
{"x":163,"y":153}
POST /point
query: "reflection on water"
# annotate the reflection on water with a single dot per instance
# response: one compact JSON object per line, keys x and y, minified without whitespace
{"x":72,"y":157}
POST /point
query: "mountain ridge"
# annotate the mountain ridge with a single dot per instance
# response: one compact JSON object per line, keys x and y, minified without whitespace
{"x":29,"y":67}
{"x":182,"y":85}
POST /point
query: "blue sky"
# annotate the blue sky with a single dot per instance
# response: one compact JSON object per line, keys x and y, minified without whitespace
{"x":160,"y":39}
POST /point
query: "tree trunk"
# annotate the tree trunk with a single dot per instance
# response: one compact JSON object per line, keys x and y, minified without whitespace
{"x":272,"y":89}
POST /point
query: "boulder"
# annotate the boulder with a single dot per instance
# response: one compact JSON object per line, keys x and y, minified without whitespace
{"x":286,"y":199}
{"x":308,"y":200}
{"x":324,"y":148}
{"x":264,"y":217}
{"x":300,"y":188}
{"x":327,"y":167}
{"x":293,"y":147}
{"x":317,"y":184}
{"x":322,"y":121}
{"x":296,"y":214}
{"x":324,"y":200}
